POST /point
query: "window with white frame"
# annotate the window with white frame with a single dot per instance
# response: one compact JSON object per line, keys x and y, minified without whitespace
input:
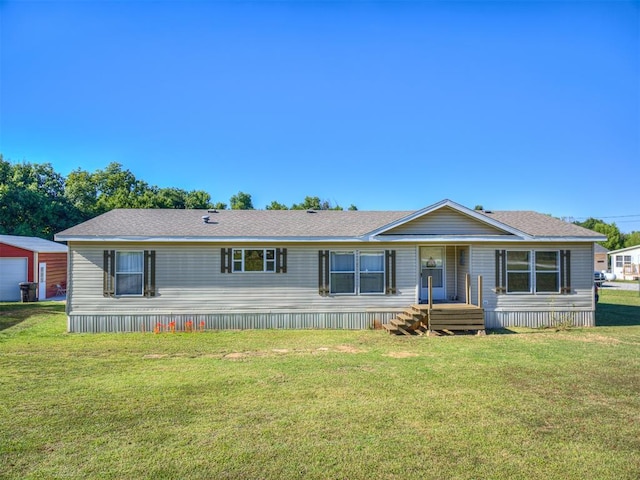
{"x":371,"y":272}
{"x":342,"y":268}
{"x":547,"y":268}
{"x":254,"y":260}
{"x":129,"y":273}
{"x":518,"y":271}
{"x":533,"y":271}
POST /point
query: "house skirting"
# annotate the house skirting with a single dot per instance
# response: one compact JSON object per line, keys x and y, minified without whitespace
{"x":96,"y":323}
{"x":538,"y":319}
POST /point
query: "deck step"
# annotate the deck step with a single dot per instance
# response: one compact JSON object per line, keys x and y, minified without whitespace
{"x":441,"y":318}
{"x":398,"y":322}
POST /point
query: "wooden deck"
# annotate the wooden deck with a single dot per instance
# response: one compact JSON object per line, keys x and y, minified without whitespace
{"x":435,"y":317}
{"x":441,"y":317}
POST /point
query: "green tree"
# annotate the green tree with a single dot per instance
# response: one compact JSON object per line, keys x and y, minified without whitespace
{"x":632,"y":239}
{"x":314,"y":203}
{"x":614,"y":237}
{"x":198,"y":199}
{"x":32,"y":200}
{"x":276,"y":206}
{"x":241,"y":201}
{"x":82,"y":191}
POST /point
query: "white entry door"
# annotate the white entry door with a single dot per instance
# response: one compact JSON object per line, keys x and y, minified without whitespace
{"x":432,"y":265}
{"x":42,"y":281}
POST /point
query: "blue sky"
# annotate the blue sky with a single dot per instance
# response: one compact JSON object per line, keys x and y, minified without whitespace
{"x":385,"y":105}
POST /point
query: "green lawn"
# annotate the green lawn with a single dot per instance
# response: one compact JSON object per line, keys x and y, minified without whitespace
{"x":540,"y":404}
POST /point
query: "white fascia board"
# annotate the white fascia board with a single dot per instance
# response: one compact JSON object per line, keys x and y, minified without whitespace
{"x":120,"y":239}
{"x":447,"y":239}
{"x":476,"y":239}
{"x":456,"y":206}
{"x":621,"y":250}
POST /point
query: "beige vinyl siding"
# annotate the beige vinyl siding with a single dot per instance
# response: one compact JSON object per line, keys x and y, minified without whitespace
{"x":445,"y":221}
{"x":462,"y":270}
{"x":188,"y":279}
{"x":190,"y":286}
{"x":522,"y":309}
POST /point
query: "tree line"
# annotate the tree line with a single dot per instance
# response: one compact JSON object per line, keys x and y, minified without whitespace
{"x":35,"y":200}
{"x":615,"y":238}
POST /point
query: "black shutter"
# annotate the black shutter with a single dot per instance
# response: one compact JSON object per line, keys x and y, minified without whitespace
{"x":281,"y":260}
{"x":501,"y":271}
{"x":226,"y":260}
{"x":565,"y":271}
{"x":323,"y":272}
{"x":149,"y":273}
{"x":109,"y":271}
{"x":390,"y":272}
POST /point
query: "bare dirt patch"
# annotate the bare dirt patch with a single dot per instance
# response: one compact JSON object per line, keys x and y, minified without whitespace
{"x":400,"y":354}
{"x":235,"y":356}
{"x":348,"y":349}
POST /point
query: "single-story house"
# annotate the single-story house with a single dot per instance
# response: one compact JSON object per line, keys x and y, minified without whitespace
{"x":600,"y":258}
{"x":31,"y":259}
{"x":625,"y":263}
{"x":131,"y":269}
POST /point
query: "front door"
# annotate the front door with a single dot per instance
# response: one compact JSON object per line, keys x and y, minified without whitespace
{"x":432,"y":265}
{"x":42,"y":281}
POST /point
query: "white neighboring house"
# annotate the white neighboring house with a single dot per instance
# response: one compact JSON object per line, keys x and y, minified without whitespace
{"x":625,"y":263}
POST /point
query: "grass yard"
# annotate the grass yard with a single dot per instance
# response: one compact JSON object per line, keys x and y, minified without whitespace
{"x":320,"y":404}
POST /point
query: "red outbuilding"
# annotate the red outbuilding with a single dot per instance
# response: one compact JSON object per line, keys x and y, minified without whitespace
{"x":31,"y":259}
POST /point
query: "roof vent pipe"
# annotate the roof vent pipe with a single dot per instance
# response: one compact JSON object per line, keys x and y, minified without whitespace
{"x":205,"y":219}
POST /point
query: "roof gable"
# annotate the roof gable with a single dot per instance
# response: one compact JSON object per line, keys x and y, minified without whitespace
{"x":447,"y":218}
{"x":446,"y":221}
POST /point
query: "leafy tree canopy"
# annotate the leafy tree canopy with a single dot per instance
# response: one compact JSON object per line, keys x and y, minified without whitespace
{"x":314,"y":203}
{"x":32,"y":201}
{"x":35,"y":200}
{"x":241,"y":201}
{"x":615,"y":239}
{"x":276,"y":206}
{"x":632,"y":239}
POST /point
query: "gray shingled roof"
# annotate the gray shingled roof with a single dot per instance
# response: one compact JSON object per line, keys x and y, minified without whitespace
{"x":233,"y":223}
{"x":140,"y":223}
{"x":540,"y":225}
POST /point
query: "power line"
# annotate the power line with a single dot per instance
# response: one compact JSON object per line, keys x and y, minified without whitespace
{"x":611,"y":216}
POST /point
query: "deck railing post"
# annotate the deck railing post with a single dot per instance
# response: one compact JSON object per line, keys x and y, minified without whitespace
{"x":467,"y":287}
{"x":430,"y":289}
{"x":480,"y":291}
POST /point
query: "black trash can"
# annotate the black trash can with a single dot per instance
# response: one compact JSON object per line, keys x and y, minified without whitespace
{"x":28,"y":291}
